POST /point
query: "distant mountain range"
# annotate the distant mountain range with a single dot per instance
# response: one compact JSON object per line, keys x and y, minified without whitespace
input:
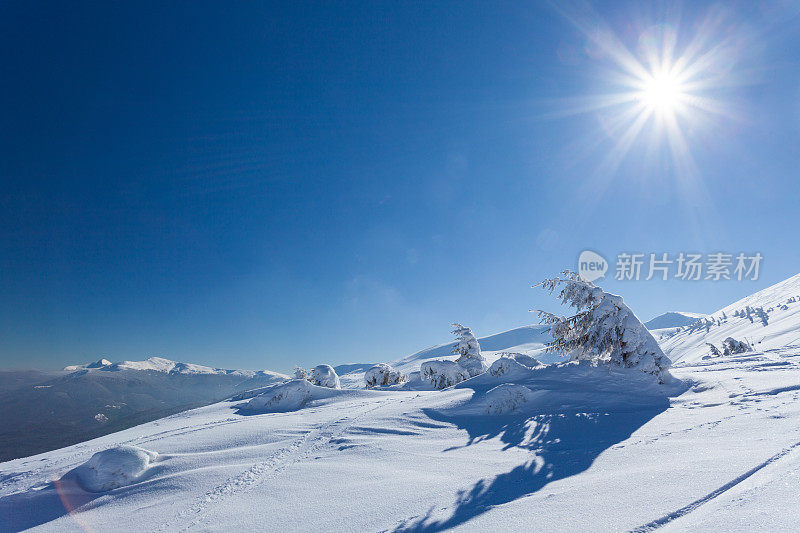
{"x":47,"y":410}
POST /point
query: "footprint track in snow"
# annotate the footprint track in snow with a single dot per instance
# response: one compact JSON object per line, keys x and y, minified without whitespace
{"x":295,"y":452}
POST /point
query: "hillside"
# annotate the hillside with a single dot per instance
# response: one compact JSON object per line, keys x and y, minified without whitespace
{"x":780,"y":304}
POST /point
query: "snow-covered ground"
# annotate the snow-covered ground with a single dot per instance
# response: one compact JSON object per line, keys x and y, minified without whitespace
{"x":564,"y":447}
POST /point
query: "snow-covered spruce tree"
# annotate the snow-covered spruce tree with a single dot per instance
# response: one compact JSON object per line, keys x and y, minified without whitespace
{"x":469,"y":350}
{"x":714,"y":350}
{"x":604,"y":329}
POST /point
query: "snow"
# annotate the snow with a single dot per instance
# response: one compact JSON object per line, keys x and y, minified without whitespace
{"x":159,"y":364}
{"x":570,"y":446}
{"x":166,"y":366}
{"x":507,"y":398}
{"x":783,"y":329}
{"x":528,"y":340}
{"x":289,"y":396}
{"x":101,"y":363}
{"x":513,"y":366}
{"x":114,"y":468}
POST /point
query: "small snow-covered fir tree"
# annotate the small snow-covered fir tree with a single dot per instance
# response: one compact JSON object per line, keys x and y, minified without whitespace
{"x":714,"y":350}
{"x":469,"y":350}
{"x":604,"y":329}
{"x":762,"y":315}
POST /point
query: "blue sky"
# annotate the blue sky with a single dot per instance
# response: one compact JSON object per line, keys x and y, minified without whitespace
{"x":258,"y":185}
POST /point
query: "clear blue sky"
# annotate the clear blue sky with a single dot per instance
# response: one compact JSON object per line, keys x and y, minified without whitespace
{"x":254,"y":185}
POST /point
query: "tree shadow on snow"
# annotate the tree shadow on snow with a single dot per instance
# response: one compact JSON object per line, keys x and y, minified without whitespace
{"x":562,"y":443}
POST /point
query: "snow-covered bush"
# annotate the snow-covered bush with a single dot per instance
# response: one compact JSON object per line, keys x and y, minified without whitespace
{"x":731,"y":346}
{"x":443,"y":374}
{"x":512,"y":363}
{"x":325,"y":376}
{"x":506,"y":398}
{"x":469,"y":350}
{"x":288,"y":396}
{"x":714,"y":350}
{"x":603,"y":330}
{"x":114,"y":468}
{"x":300,"y":373}
{"x":383,"y":375}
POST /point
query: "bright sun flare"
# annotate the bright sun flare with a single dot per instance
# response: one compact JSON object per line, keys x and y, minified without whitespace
{"x":662,"y":92}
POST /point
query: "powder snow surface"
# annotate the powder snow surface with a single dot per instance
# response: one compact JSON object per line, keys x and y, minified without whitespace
{"x":586,"y":449}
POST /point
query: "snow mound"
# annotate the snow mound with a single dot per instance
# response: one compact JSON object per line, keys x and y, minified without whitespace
{"x":443,"y":374}
{"x":472,"y":365}
{"x":289,"y":396}
{"x":511,"y":367}
{"x":383,"y":375}
{"x":325,"y":376}
{"x":114,"y":468}
{"x":507,"y":398}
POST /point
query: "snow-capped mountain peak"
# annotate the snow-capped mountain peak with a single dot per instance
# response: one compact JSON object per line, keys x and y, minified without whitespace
{"x":672,"y":319}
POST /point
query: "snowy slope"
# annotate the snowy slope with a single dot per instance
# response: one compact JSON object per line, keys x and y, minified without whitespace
{"x":573,"y":448}
{"x":591,"y":450}
{"x":782,"y":329}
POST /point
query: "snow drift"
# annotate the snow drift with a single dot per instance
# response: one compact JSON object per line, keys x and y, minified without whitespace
{"x":506,"y":398}
{"x":114,"y":468}
{"x":511,"y":365}
{"x":289,"y":396}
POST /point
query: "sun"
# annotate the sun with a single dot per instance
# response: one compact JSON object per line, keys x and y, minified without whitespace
{"x":662,"y":92}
